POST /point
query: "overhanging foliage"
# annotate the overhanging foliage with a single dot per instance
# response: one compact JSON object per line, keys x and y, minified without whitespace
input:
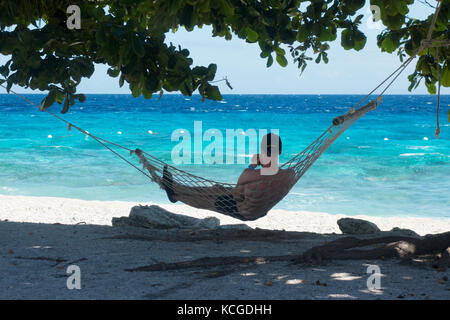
{"x":129,"y":37}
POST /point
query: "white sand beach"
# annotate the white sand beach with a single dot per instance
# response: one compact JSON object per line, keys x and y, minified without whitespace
{"x":41,"y":236}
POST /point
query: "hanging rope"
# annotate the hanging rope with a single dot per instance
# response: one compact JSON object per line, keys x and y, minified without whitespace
{"x":437,"y":43}
{"x":71,"y":125}
{"x":438,"y":68}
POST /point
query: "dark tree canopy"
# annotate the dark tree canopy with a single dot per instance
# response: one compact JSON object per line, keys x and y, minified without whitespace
{"x":129,"y":37}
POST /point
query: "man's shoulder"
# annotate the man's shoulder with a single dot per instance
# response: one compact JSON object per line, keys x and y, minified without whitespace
{"x":251,"y":172}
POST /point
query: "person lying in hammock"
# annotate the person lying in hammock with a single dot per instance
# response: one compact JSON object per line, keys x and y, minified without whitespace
{"x":255,"y":193}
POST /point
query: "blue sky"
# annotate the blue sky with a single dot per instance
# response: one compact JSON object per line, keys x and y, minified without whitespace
{"x":348,"y":72}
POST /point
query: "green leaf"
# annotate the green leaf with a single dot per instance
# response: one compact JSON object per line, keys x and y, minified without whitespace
{"x":388,"y":45}
{"x":211,"y":73}
{"x":112,"y":72}
{"x":264,"y":54}
{"x":135,"y":90}
{"x":121,"y":80}
{"x":360,"y":40}
{"x":280,"y":51}
{"x":281,"y":60}
{"x":59,"y":96}
{"x":9,"y":86}
{"x":66,"y":106}
{"x":269,"y":61}
{"x":4,"y":71}
{"x":212,"y":92}
{"x":347,"y":40}
{"x":358,"y":19}
{"x":431,"y":87}
{"x":445,"y":76}
{"x":49,"y":100}
{"x":252,"y":35}
{"x":319,"y":58}
{"x":147,"y":94}
{"x":185,"y":52}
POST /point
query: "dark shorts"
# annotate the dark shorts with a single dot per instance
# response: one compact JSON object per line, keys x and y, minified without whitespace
{"x":227,"y":205}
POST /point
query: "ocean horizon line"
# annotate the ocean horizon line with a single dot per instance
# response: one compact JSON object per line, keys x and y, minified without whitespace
{"x":253,"y":94}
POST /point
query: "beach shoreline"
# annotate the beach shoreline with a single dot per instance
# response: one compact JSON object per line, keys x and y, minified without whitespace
{"x":32,"y":209}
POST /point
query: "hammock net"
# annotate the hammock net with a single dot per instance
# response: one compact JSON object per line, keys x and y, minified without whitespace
{"x":253,"y":199}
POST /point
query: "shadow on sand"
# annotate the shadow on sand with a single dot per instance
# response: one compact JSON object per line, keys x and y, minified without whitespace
{"x":136,"y":263}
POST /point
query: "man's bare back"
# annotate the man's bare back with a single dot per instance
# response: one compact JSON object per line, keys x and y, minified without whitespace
{"x":256,"y":194}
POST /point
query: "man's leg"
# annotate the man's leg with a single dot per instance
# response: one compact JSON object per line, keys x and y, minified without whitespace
{"x":198,"y":197}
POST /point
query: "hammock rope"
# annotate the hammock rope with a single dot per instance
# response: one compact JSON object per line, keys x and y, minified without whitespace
{"x":253,"y":199}
{"x":438,"y":68}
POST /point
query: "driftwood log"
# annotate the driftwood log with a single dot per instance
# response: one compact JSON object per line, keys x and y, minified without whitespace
{"x":436,"y":247}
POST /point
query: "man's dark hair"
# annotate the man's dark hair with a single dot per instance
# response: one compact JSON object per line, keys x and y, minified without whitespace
{"x":272,"y":140}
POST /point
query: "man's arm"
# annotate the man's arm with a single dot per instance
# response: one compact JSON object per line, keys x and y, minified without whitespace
{"x":255,"y":161}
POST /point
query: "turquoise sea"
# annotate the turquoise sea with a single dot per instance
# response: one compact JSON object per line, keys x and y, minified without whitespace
{"x":387,"y":164}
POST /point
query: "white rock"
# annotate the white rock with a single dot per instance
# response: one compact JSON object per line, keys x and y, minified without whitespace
{"x":357,"y":226}
{"x":155,"y":217}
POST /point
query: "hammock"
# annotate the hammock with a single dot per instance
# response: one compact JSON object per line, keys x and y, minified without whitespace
{"x":252,"y":200}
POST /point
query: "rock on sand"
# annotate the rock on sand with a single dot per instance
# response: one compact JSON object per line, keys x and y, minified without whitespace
{"x":357,"y":226}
